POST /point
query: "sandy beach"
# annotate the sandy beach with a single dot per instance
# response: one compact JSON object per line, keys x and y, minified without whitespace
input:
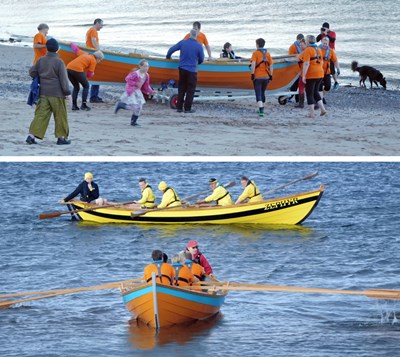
{"x":361,"y":122}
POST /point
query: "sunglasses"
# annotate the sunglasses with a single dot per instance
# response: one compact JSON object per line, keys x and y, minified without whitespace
{"x":196,"y":247}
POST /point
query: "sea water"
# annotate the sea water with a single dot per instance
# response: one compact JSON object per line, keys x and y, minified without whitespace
{"x":350,"y":241}
{"x":366,"y":29}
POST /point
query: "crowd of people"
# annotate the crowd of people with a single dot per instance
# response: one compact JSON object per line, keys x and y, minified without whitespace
{"x":50,"y":89}
{"x":187,"y":267}
{"x":89,"y":192}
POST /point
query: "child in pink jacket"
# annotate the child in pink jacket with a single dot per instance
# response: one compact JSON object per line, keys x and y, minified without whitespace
{"x":137,"y":84}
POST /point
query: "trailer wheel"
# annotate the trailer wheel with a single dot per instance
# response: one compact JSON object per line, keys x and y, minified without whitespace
{"x":282,"y":100}
{"x":173,"y":100}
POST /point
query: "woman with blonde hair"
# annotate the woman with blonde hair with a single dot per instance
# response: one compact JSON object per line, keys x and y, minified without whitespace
{"x":312,"y":75}
{"x":137,"y":84}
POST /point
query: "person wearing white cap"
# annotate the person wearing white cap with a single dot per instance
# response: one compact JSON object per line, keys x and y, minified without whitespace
{"x":220,"y":194}
{"x":169,"y":198}
{"x":89,"y":191}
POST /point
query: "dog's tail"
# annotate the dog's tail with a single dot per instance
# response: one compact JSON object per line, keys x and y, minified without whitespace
{"x":354,"y":66}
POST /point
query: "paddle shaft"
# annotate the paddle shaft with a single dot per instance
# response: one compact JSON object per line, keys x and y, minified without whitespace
{"x":111,"y":285}
{"x":371,"y":293}
{"x":307,"y":177}
{"x":58,"y":213}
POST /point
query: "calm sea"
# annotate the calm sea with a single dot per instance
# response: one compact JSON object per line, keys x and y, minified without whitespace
{"x":351,"y":241}
{"x":366,"y":29}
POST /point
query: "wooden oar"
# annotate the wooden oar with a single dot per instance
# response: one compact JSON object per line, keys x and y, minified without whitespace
{"x":111,"y":285}
{"x":307,"y":177}
{"x":58,"y":213}
{"x":230,"y":286}
{"x":228,"y":185}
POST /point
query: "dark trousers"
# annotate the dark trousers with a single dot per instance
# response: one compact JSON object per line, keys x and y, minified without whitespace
{"x":186,"y":89}
{"x":312,"y":93}
{"x":260,"y":86}
{"x":94,"y":91}
{"x":325,"y":83}
{"x":77,"y":78}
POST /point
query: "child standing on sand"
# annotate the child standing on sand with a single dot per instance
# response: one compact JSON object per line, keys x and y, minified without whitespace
{"x":137,"y":84}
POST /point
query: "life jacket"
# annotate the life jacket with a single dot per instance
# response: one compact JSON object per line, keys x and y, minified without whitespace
{"x":226,"y":54}
{"x":158,"y":265}
{"x":264,"y":52}
{"x":220,"y":198}
{"x":316,"y":57}
{"x":297,"y":47}
{"x":176,"y":199}
{"x":178,"y":267}
{"x":256,"y":191}
{"x":328,"y":52}
{"x":152,"y":201}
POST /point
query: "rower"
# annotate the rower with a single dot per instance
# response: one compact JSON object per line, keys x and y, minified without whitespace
{"x":183,"y":275}
{"x":251,"y":193}
{"x":164,"y":271}
{"x":148,"y":197}
{"x":169,"y":198}
{"x":198,"y":258}
{"x":220,"y":194}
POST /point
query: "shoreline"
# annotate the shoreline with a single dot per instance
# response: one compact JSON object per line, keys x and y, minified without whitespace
{"x":361,"y":122}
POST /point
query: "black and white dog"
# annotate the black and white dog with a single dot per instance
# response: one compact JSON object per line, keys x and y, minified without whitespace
{"x":372,"y":73}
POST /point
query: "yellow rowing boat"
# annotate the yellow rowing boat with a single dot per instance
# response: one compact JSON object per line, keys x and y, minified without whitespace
{"x":292,"y":209}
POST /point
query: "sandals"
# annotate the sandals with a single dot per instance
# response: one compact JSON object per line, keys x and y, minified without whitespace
{"x":323,"y":113}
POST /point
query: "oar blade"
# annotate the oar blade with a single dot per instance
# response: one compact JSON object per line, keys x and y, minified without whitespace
{"x":386,"y":294}
{"x":50,"y":215}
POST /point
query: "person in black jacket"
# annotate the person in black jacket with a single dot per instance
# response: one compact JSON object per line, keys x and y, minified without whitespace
{"x":89,"y":191}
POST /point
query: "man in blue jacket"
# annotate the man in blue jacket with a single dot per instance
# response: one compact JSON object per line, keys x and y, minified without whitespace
{"x":191,"y":55}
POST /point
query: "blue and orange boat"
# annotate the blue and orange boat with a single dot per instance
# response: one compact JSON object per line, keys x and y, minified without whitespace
{"x":226,"y":74}
{"x":159,"y":305}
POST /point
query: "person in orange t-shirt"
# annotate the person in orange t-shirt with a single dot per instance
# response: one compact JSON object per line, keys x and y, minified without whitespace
{"x":201,"y":38}
{"x":312,"y":75}
{"x":92,"y":41}
{"x":39,"y":42}
{"x":77,"y":69}
{"x":295,"y":49}
{"x":329,"y":57}
{"x":261,"y":73}
{"x":165,"y":273}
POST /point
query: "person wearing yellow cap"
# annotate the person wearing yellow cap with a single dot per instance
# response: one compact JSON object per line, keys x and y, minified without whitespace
{"x":89,"y":191}
{"x":251,"y":193}
{"x":220,"y":194}
{"x":148,"y":197}
{"x":169,"y":198}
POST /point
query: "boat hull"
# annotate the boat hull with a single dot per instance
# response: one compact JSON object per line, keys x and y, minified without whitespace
{"x":175,"y":305}
{"x":211,"y":74}
{"x":290,"y":210}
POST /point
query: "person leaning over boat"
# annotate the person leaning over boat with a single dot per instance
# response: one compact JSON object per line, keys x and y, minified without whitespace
{"x":191,"y":55}
{"x":261,"y":65}
{"x":227,"y":52}
{"x":54,"y":89}
{"x":200,"y":38}
{"x":78,"y":69}
{"x":251,"y":193}
{"x":137,"y":84}
{"x":39,"y":42}
{"x":92,"y":41}
{"x":169,"y":198}
{"x":295,"y":49}
{"x":198,"y":258}
{"x":183,"y":274}
{"x":148,"y":198}
{"x":329,"y":56}
{"x":164,"y":271}
{"x":220,"y":194}
{"x":89,"y":191}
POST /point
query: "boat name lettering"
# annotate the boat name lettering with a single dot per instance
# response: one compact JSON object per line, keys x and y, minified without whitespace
{"x":282,"y":203}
